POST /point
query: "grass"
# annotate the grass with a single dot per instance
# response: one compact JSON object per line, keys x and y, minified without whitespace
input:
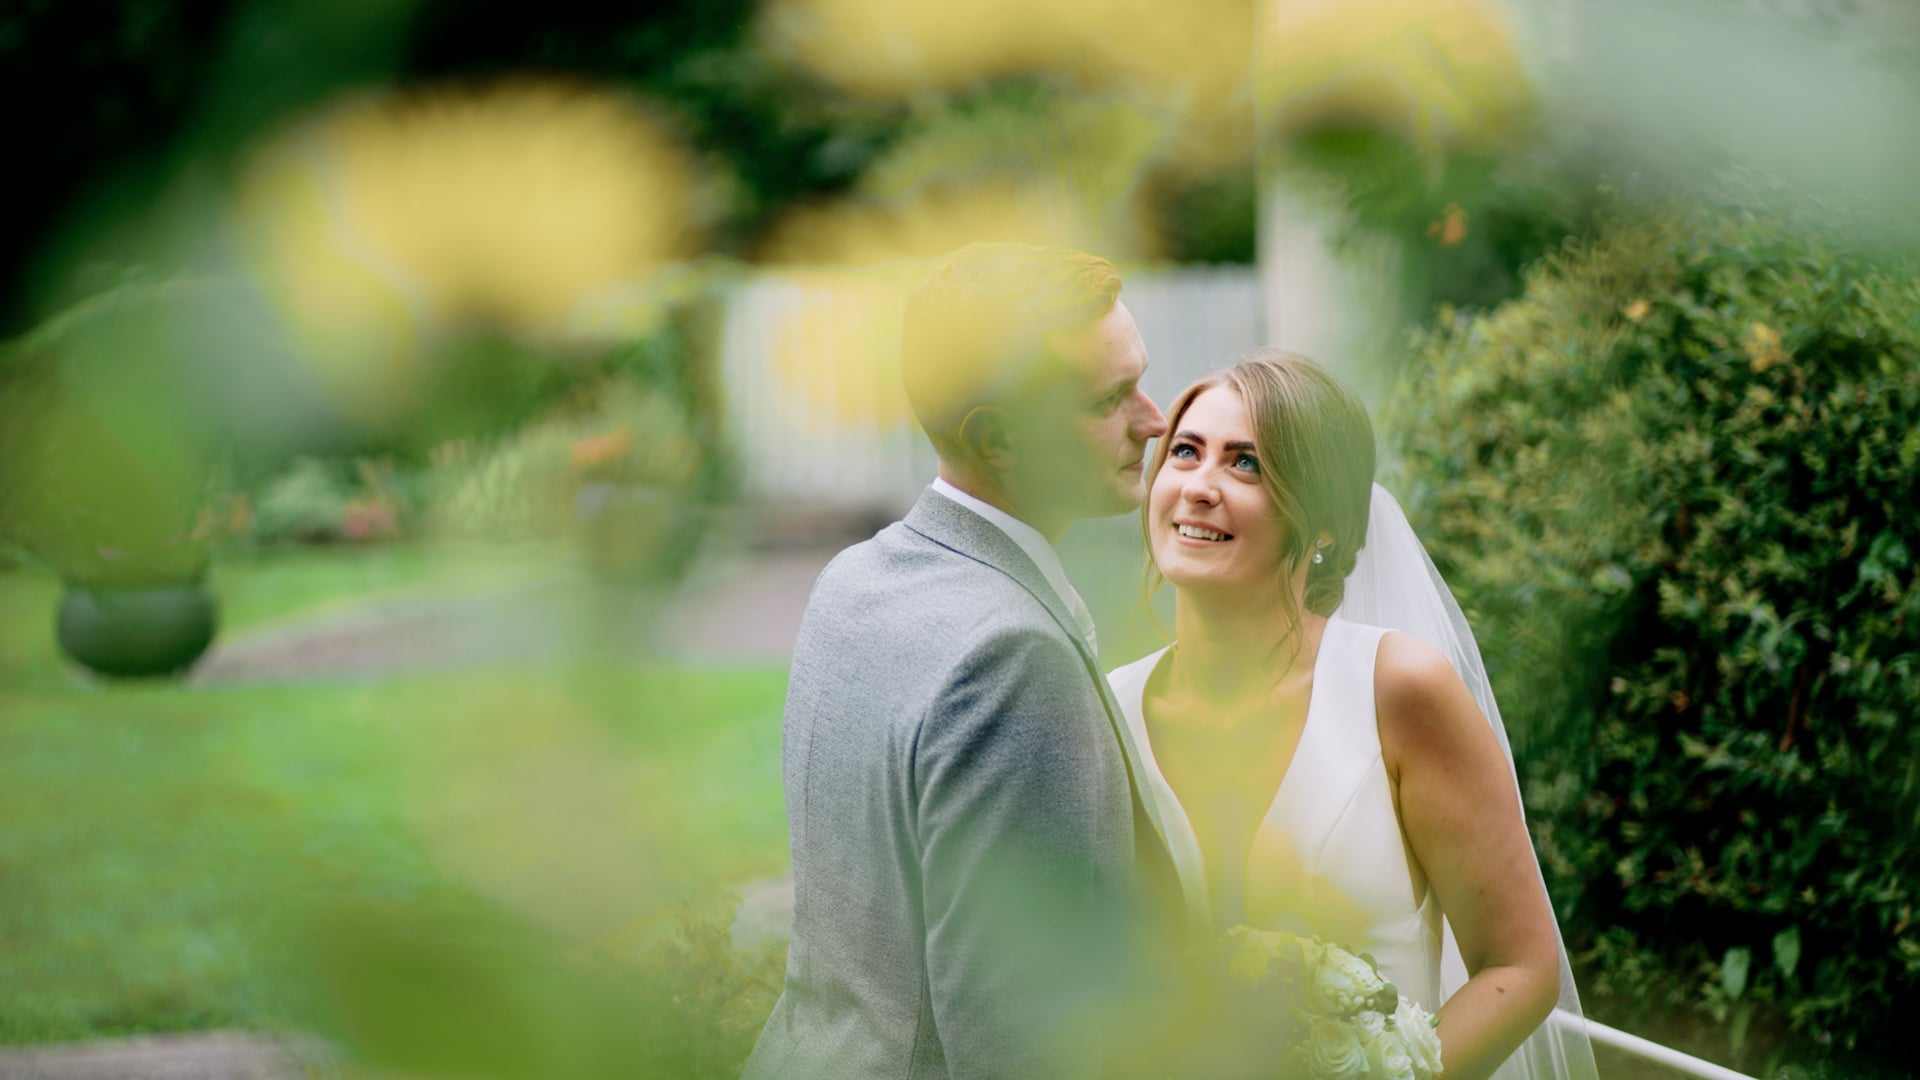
{"x":169,"y":855}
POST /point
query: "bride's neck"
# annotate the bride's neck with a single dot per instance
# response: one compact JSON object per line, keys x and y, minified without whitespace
{"x":1228,"y":646}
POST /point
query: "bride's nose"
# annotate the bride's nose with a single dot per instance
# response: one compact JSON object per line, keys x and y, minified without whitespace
{"x":1200,"y":488}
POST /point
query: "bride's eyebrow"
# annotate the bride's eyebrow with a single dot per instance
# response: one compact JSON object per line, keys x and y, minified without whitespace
{"x":1198,"y":440}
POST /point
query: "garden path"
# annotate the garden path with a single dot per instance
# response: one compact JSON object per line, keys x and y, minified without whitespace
{"x":743,"y":611}
{"x":215,"y":1055}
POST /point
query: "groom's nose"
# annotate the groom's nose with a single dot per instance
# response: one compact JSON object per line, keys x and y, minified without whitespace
{"x":1149,"y":422}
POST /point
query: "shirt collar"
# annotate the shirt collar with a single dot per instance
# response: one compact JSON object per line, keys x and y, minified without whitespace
{"x":1024,"y":536}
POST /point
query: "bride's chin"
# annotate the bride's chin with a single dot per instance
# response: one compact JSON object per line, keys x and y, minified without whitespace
{"x":1186,"y":579}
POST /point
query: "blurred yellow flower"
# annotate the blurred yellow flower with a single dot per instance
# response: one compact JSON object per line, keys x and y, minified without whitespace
{"x":906,"y":47}
{"x":837,"y":344}
{"x":1193,"y":60}
{"x":521,"y":206}
{"x":936,"y":222}
{"x":1188,"y":62}
{"x":1637,"y":310}
{"x":359,"y":319}
{"x":1443,"y":74}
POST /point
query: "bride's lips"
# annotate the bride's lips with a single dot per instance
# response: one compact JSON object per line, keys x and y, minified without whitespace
{"x":1200,"y":541}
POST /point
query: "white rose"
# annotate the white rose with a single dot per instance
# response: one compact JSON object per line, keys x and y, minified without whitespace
{"x":1417,"y":1033}
{"x":1343,"y":984}
{"x":1387,"y":1058}
{"x":1370,"y":1025}
{"x":1334,"y":1052}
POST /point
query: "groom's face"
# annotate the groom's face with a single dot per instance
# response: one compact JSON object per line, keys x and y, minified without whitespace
{"x":1086,"y":444}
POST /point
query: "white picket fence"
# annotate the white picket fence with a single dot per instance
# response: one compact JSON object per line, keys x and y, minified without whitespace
{"x":810,"y":367}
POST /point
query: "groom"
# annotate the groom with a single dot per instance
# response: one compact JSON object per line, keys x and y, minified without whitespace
{"x":959,"y":785}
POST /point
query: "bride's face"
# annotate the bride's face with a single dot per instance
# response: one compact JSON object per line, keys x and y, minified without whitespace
{"x":1210,"y":519}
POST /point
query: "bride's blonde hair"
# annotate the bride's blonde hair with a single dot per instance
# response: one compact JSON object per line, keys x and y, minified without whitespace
{"x":1316,"y":453}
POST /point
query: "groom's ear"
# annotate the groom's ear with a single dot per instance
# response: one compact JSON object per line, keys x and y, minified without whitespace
{"x":987,"y":436}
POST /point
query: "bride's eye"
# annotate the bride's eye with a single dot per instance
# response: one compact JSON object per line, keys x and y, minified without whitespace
{"x":1247,"y":463}
{"x":1183,"y":451}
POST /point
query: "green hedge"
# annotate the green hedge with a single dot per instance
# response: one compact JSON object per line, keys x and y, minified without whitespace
{"x":1675,"y":485}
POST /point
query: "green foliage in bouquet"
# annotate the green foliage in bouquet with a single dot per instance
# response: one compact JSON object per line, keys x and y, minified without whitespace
{"x":1674,"y":487}
{"x":1265,"y":1003}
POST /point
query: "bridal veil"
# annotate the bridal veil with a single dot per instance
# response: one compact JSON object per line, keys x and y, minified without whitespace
{"x":1394,"y":584}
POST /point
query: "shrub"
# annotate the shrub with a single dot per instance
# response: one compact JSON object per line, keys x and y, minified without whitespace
{"x":306,"y":502}
{"x":1674,"y":486}
{"x":538,"y":482}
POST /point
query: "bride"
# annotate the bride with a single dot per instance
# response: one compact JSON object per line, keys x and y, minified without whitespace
{"x":1317,"y":771}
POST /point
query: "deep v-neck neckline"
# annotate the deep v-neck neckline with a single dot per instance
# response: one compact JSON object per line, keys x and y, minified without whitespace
{"x":1185,"y":844}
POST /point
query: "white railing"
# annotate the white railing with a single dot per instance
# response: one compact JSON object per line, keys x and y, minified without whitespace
{"x":1648,"y":1050}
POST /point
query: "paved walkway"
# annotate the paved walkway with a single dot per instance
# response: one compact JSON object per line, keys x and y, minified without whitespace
{"x":217,"y":1055}
{"x":744,"y":611}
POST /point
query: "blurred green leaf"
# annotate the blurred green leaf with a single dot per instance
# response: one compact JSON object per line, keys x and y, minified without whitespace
{"x":1786,"y":951}
{"x":1733,"y":971}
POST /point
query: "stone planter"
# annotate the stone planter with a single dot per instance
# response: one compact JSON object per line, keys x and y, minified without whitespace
{"x":139,"y":632}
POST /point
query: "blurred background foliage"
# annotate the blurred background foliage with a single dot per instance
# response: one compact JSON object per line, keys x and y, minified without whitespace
{"x":133,"y":124}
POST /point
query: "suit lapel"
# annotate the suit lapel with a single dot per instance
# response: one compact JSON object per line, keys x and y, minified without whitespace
{"x":953,"y":526}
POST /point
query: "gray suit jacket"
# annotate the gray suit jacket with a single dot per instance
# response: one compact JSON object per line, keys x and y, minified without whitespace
{"x":963,"y":819}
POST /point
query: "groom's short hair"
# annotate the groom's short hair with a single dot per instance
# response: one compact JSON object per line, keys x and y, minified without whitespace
{"x":977,"y":331}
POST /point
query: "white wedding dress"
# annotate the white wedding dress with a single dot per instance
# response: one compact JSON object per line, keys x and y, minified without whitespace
{"x":1327,"y":858}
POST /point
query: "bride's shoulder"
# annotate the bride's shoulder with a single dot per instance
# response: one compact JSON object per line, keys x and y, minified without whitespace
{"x":1407,"y":654}
{"x":1420,"y":702}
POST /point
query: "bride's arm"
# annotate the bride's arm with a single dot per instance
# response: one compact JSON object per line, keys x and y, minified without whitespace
{"x":1457,"y":803}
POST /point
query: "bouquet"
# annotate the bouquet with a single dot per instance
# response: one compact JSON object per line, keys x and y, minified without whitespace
{"x":1290,"y":1006}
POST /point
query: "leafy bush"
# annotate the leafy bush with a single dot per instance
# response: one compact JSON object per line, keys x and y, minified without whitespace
{"x":520,"y":440}
{"x":569,"y":471}
{"x":1674,"y":486}
{"x":328,"y":499}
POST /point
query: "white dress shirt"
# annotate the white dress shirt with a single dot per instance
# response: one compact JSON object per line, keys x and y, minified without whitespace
{"x":1028,"y":539}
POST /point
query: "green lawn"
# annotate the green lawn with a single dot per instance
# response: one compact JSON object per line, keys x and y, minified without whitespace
{"x":169,"y":856}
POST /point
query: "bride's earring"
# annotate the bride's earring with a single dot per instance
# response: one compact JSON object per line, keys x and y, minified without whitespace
{"x":1318,"y":557}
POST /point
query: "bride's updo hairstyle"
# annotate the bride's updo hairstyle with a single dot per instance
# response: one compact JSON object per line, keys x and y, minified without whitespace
{"x":1315,"y":446}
